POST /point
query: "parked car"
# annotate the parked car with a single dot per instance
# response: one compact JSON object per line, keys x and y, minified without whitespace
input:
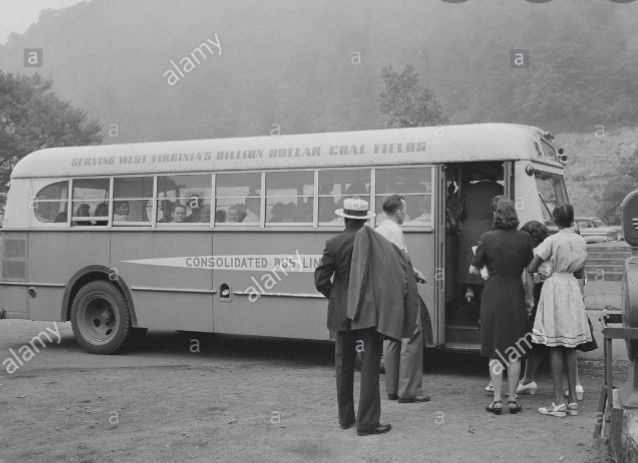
{"x":594,"y":230}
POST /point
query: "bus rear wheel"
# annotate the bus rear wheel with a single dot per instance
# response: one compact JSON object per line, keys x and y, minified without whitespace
{"x":101,"y":318}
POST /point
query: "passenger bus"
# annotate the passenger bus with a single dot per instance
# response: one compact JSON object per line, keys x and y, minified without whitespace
{"x":223,"y":235}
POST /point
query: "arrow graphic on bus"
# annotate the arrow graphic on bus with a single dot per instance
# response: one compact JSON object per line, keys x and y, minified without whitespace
{"x":248,"y":262}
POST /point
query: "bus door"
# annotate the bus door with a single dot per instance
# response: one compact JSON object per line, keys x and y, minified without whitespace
{"x":466,"y":191}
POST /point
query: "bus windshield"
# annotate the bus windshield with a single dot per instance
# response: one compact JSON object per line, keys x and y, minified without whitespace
{"x":552,"y":192}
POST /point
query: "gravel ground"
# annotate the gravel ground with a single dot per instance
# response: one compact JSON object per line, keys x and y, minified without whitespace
{"x":258,"y":400}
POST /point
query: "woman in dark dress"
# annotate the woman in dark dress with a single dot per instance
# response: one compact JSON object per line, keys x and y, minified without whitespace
{"x":505,"y":324}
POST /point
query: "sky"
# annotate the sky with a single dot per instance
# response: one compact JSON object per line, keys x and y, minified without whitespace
{"x":18,"y":15}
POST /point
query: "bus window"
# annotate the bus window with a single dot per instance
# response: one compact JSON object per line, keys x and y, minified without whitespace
{"x":90,"y":196}
{"x":132,"y":200}
{"x":337,"y":185}
{"x":51,"y":202}
{"x":184,"y":199}
{"x":289,"y":197}
{"x":551,"y":191}
{"x":414,"y":184}
{"x":238,"y":198}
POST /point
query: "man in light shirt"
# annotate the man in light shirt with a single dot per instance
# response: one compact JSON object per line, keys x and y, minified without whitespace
{"x":404,"y":359}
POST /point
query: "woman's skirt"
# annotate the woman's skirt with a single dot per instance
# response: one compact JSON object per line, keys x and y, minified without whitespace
{"x":561,"y":319}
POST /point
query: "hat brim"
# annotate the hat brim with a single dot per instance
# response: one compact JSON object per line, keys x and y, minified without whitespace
{"x":369,"y":215}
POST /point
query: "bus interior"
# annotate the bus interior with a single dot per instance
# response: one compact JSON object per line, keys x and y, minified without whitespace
{"x":470,"y":188}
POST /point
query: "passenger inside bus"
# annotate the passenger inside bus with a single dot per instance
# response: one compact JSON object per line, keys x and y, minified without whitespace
{"x":102,"y":210}
{"x":83,"y":211}
{"x":204,"y":216}
{"x":194,"y":203}
{"x":236,"y":213}
{"x":252,"y":210}
{"x":470,"y":189}
{"x":179,"y":215}
{"x":220,"y":216}
{"x":167,"y":211}
{"x":121,"y":211}
{"x":476,"y":218}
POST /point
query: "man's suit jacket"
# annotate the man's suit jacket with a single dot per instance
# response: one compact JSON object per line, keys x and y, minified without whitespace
{"x":382,"y":289}
{"x":336,"y":260}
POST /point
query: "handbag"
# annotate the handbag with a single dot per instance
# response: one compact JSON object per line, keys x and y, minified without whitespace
{"x":590,"y":345}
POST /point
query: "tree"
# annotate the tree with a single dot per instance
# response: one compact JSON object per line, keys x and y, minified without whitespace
{"x":625,"y":181}
{"x":406,"y":102}
{"x":32,"y":117}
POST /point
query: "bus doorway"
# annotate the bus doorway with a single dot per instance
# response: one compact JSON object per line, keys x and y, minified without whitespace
{"x":470,"y":188}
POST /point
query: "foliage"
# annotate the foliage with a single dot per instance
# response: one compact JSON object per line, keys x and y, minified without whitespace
{"x":406,"y":102}
{"x":32,"y":117}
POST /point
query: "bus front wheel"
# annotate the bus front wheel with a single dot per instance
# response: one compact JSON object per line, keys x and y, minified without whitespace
{"x":101,"y":318}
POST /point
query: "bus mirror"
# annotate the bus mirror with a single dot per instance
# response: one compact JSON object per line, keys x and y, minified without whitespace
{"x":629,"y":208}
{"x":529,"y":170}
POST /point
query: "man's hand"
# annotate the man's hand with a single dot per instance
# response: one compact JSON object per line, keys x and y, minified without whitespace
{"x":419,"y":276}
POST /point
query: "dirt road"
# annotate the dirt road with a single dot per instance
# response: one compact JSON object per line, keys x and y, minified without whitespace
{"x":246,"y":400}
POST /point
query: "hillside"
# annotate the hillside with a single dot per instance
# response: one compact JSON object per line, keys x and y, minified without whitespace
{"x":315,"y":66}
{"x":593,"y":160}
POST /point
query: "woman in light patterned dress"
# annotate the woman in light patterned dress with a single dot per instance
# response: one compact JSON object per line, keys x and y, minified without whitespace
{"x":561,"y":321}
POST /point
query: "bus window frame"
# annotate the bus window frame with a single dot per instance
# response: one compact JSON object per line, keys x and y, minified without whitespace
{"x":109,"y":201}
{"x":153,"y":224}
{"x":116,"y":225}
{"x":173,"y":225}
{"x":339,"y":225}
{"x":239,"y":225}
{"x":542,"y":203}
{"x":290,"y":225}
{"x":409,"y":227}
{"x":33,"y":221}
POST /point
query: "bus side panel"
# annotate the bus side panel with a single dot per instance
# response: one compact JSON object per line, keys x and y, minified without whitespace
{"x":13,"y":299}
{"x":54,"y":258}
{"x":252,"y":312}
{"x":421,"y":249}
{"x":166,"y":293}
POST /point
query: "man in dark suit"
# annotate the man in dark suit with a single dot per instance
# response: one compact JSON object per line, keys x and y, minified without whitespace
{"x":336,"y":262}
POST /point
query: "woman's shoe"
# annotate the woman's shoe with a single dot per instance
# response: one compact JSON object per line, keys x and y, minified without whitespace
{"x":579,"y":392}
{"x":495,"y":407}
{"x":513,"y":406}
{"x":529,"y":388}
{"x":555,"y":410}
{"x":572,"y":409}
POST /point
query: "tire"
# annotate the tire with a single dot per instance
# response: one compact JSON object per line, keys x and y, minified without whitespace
{"x":101,"y":318}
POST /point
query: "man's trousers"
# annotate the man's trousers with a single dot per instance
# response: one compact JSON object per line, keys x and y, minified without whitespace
{"x":403,"y":362}
{"x":347,"y":344}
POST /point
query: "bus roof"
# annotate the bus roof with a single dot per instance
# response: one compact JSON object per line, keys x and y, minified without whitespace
{"x":453,"y":143}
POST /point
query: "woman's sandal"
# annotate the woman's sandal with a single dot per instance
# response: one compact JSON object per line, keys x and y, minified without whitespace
{"x":559,"y":411}
{"x":513,"y":406}
{"x":492,"y":408}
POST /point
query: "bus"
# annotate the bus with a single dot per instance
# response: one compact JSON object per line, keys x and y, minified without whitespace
{"x":223,"y":235}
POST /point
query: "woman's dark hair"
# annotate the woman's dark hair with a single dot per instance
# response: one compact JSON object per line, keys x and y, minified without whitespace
{"x":505,"y":217}
{"x":564,"y":215}
{"x":537,"y":230}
